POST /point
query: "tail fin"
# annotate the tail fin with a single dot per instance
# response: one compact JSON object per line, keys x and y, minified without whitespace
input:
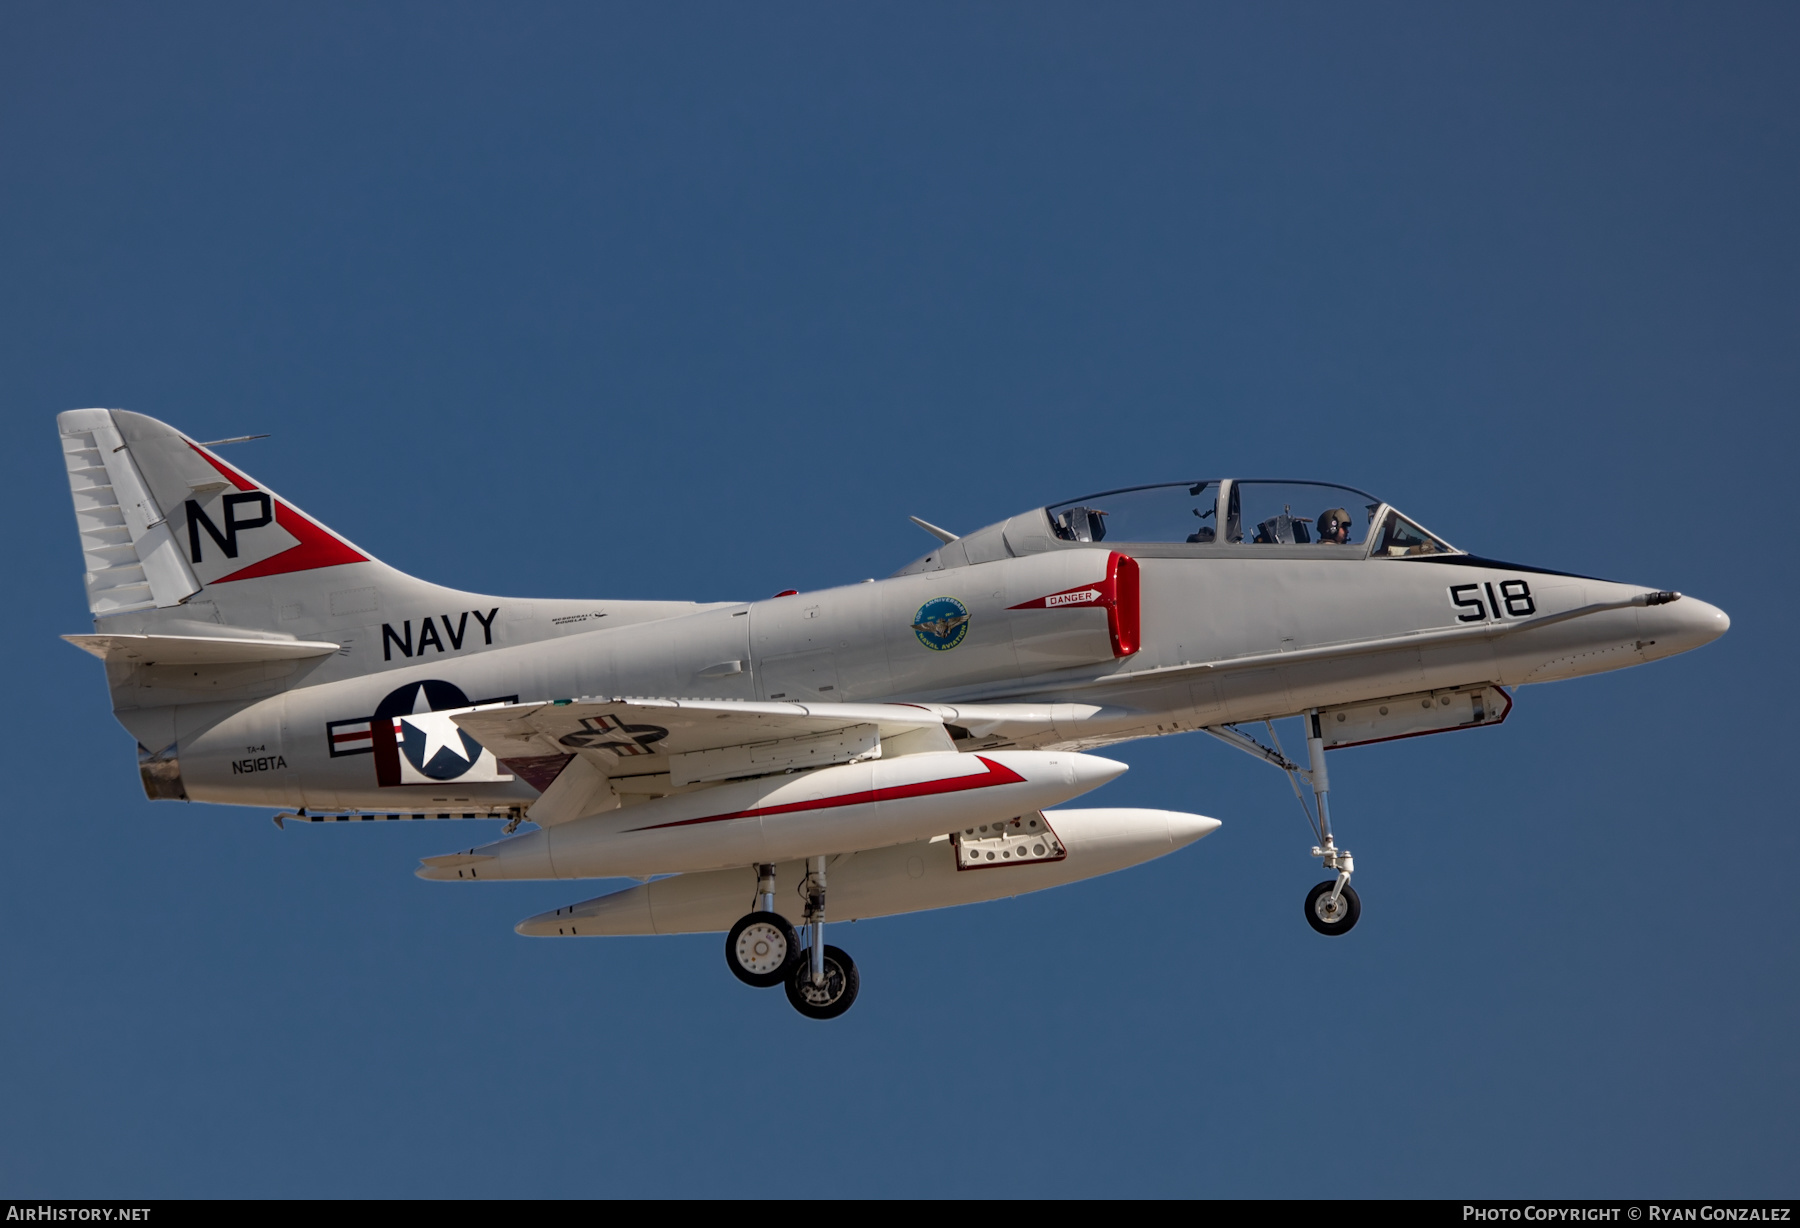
{"x":181,"y":545}
{"x":163,"y":520}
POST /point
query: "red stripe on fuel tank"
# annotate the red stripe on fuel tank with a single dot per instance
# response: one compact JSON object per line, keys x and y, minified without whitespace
{"x":996,"y":774}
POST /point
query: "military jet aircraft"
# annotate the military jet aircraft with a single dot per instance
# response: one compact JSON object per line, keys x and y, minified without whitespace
{"x":908,"y":742}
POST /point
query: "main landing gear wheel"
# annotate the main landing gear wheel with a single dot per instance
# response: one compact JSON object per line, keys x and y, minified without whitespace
{"x":834,"y":996}
{"x":762,"y":949}
{"x":1332,"y":916}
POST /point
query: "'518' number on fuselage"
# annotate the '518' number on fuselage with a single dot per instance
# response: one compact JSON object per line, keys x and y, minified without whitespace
{"x":1514,"y":598}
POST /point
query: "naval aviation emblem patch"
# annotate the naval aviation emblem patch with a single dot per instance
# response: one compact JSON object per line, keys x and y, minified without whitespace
{"x":941,"y":623}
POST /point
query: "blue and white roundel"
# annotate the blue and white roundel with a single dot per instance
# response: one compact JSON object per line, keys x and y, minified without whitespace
{"x":433,"y":745}
{"x":941,"y":623}
{"x":437,"y":748}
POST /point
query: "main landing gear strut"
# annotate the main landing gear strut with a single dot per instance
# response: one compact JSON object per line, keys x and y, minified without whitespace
{"x":763,"y":950}
{"x":1332,"y":907}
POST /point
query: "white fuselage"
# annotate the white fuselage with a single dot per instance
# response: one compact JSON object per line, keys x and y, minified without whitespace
{"x":1223,"y":640}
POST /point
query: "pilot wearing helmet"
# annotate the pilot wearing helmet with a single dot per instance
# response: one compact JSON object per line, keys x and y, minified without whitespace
{"x":1334,"y":527}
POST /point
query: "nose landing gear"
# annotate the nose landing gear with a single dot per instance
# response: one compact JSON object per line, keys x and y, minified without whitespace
{"x":1332,"y":907}
{"x":763,"y":950}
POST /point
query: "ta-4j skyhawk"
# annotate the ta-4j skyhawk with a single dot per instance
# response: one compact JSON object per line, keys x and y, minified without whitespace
{"x":879,"y":748}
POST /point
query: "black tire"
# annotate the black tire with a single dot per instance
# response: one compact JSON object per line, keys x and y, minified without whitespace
{"x":769,"y":949}
{"x":1318,"y":909}
{"x":839,"y":991}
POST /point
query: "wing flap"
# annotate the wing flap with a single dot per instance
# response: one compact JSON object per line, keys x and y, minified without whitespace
{"x":579,"y":790}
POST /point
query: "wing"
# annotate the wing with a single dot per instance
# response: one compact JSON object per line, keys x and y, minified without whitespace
{"x":581,"y":754}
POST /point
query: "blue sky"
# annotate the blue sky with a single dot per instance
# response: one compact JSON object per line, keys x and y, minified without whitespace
{"x":702,"y":302}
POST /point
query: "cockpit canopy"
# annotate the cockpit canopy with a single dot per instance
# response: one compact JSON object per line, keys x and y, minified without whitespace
{"x":1249,"y":513}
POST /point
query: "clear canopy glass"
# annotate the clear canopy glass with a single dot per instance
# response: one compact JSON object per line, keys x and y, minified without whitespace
{"x":1178,"y":512}
{"x":1399,"y":537}
{"x":1297,"y":514}
{"x":1247,"y":512}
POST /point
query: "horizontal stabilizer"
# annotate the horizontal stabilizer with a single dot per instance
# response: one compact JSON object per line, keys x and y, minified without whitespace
{"x":198,"y":649}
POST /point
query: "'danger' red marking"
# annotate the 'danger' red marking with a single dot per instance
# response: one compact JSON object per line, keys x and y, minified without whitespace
{"x":1117,"y":594}
{"x":317,"y":546}
{"x":996,"y":774}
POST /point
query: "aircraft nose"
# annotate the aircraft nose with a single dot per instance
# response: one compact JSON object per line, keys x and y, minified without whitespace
{"x":1683,"y":625}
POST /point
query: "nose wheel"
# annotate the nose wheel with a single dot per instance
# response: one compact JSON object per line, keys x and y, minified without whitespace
{"x":1332,"y":908}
